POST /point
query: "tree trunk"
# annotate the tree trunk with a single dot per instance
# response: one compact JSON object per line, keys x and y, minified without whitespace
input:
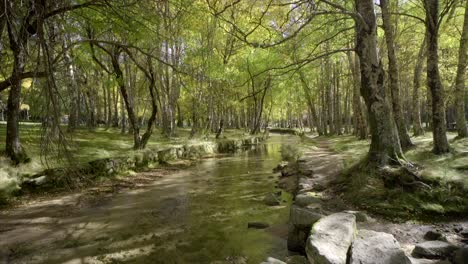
{"x":359,"y":120}
{"x":460,"y":79}
{"x":405,"y":140}
{"x":385,"y":146}
{"x":337,"y":105}
{"x":417,"y":124}
{"x":73,"y":87}
{"x":434,"y":83}
{"x":18,"y":43}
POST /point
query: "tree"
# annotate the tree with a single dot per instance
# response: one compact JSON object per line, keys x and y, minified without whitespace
{"x":439,"y":126}
{"x":460,"y":89}
{"x":385,"y":146}
{"x":393,"y":73}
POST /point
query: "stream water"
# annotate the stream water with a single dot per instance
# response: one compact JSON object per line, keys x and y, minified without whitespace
{"x":197,"y":215}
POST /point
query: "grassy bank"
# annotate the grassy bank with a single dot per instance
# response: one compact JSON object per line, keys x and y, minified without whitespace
{"x":446,"y":175}
{"x":86,"y":146}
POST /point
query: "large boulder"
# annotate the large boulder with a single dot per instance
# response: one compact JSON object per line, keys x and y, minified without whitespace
{"x":372,"y":247}
{"x":330,"y":239}
{"x":433,"y":249}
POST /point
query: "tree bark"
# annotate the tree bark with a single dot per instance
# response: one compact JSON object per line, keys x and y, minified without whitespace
{"x":405,"y":140}
{"x":18,"y":43}
{"x":417,"y":124}
{"x":385,"y":146}
{"x":359,"y":120}
{"x":434,"y":83}
{"x":460,"y":90}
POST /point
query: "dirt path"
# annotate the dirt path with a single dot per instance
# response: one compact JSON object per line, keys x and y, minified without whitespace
{"x":327,"y":166}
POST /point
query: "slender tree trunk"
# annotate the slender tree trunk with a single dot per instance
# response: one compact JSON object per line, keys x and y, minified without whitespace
{"x":405,"y":140}
{"x":73,"y":87}
{"x":460,"y":90}
{"x":337,"y":98}
{"x":434,"y":83}
{"x":385,"y":146}
{"x":417,"y":124}
{"x":359,"y":120}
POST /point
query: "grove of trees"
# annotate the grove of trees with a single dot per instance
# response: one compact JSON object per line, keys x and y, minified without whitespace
{"x":384,"y":69}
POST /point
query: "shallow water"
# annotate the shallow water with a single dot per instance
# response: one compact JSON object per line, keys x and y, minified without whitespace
{"x":198,"y":215}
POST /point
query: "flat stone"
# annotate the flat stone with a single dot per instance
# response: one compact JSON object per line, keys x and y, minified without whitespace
{"x":306,"y":198}
{"x":303,"y":217}
{"x":428,"y":261}
{"x":372,"y":247}
{"x":297,"y":259}
{"x":271,"y":260}
{"x":330,"y":239}
{"x":433,"y":249}
{"x":434,"y":235}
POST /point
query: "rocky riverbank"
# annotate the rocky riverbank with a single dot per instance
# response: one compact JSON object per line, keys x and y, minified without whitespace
{"x":326,"y":230}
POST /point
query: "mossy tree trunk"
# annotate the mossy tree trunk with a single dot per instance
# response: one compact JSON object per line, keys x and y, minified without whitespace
{"x":360,"y":128}
{"x":460,"y":79}
{"x":393,"y":73}
{"x":434,"y":83}
{"x":417,"y":124}
{"x":385,"y":145}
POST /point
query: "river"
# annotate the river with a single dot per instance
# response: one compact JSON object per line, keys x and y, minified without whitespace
{"x":195,"y":215}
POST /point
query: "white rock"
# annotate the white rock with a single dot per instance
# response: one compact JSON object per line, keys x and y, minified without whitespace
{"x":372,"y":247}
{"x":330,"y":239}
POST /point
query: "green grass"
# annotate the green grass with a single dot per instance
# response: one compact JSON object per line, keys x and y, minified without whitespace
{"x":86,"y":145}
{"x":448,"y":195}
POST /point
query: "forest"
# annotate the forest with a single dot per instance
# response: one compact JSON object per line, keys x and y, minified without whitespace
{"x":233,"y":131}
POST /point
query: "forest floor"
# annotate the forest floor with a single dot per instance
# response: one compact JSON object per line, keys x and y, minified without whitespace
{"x":329,"y":158}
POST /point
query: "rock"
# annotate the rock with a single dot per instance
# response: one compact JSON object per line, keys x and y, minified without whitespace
{"x":464,"y":232}
{"x":307,"y":198}
{"x":306,"y":172}
{"x":461,"y":256}
{"x":330,"y":239}
{"x":38,"y":181}
{"x":257,"y":225}
{"x":305,"y":184}
{"x":372,"y":247}
{"x":280,"y":166}
{"x":271,"y":200}
{"x":288,"y":171}
{"x":297,"y":259}
{"x":271,"y":260}
{"x":433,"y":249}
{"x":434,"y":235}
{"x":428,"y":261}
{"x":360,"y":216}
{"x":297,"y":238}
{"x":303,"y":217}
